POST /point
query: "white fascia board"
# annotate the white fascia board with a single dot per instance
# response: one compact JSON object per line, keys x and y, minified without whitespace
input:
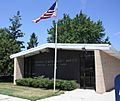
{"x":86,"y":46}
{"x":62,"y":46}
{"x":36,"y":49}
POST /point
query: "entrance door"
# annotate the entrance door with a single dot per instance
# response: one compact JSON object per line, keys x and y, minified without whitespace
{"x":87,"y":70}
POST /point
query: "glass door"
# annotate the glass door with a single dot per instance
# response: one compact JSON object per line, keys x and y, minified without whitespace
{"x":87,"y":70}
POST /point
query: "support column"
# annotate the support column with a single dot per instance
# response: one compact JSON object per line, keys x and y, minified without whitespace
{"x":18,"y":68}
{"x":99,"y":75}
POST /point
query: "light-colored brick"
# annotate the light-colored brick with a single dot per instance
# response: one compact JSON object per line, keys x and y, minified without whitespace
{"x":106,"y":69}
{"x":18,"y":68}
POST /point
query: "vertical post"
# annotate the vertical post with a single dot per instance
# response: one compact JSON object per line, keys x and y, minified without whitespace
{"x":55,"y":61}
{"x":84,"y":74}
{"x":15,"y":69}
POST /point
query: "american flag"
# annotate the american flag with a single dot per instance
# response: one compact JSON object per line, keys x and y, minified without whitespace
{"x":48,"y":14}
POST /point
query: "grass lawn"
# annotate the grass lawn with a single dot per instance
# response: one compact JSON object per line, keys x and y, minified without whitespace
{"x":32,"y":94}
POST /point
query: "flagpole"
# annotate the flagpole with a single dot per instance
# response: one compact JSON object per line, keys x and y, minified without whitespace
{"x":55,"y":59}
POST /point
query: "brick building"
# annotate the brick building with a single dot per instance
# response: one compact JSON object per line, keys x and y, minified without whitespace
{"x":93,"y":66}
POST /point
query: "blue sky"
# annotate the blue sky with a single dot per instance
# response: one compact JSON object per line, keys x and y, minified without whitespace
{"x":108,"y":11}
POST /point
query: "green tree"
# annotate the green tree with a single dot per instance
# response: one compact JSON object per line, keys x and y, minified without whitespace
{"x":8,"y":46}
{"x":33,"y":41}
{"x":14,"y":28}
{"x":80,"y":29}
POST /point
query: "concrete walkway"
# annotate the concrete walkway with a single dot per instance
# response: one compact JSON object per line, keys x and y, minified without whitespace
{"x":83,"y":95}
{"x":9,"y":98}
{"x":75,"y":95}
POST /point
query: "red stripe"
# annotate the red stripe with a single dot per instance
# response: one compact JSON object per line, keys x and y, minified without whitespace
{"x":48,"y":14}
{"x":45,"y":17}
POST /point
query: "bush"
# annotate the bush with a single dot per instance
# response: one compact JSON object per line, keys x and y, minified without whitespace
{"x":41,"y":82}
{"x":25,"y":82}
{"x":35,"y":83}
{"x":66,"y":85}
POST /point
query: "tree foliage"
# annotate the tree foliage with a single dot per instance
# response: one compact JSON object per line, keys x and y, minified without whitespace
{"x":14,"y":28}
{"x":8,"y":46}
{"x":33,"y":41}
{"x":80,"y":29}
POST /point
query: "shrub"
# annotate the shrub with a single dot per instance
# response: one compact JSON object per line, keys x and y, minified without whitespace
{"x":24,"y":82}
{"x":66,"y":84}
{"x":35,"y":83}
{"x":41,"y":82}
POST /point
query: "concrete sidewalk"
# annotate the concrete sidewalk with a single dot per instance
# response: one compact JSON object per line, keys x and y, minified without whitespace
{"x":9,"y":98}
{"x":83,"y":95}
{"x":75,"y":95}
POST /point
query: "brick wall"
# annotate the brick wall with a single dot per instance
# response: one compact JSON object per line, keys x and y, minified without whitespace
{"x":18,"y":68}
{"x":106,"y":67}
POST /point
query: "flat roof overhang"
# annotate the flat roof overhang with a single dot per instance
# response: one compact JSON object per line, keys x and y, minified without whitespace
{"x":89,"y":47}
